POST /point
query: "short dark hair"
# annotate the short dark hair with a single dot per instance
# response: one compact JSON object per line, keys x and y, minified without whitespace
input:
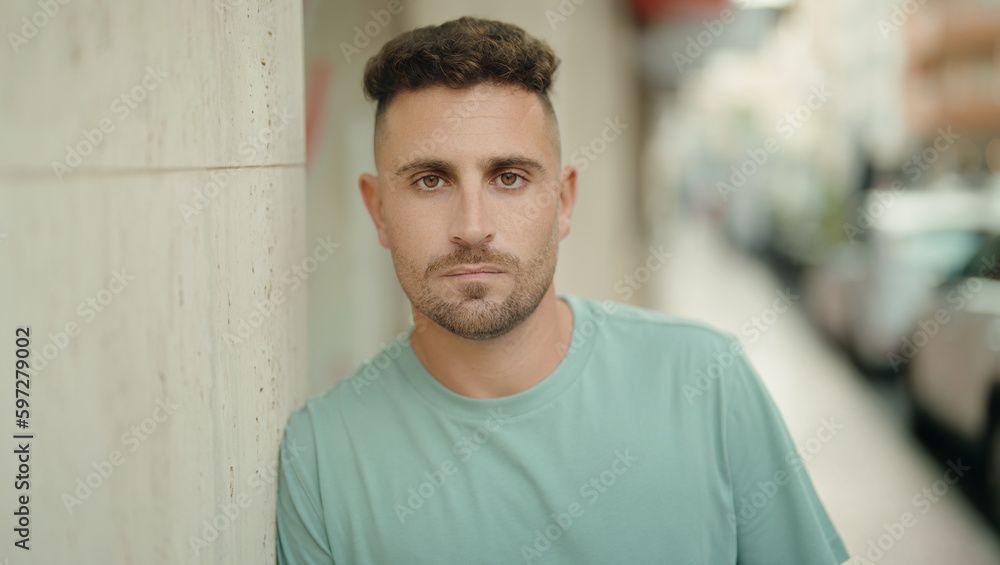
{"x":460,"y":53}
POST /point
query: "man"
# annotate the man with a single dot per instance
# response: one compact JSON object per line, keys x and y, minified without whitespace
{"x":512,"y":425}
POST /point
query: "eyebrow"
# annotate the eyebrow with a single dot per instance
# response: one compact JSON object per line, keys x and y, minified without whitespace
{"x":489,"y":164}
{"x":512,"y":161}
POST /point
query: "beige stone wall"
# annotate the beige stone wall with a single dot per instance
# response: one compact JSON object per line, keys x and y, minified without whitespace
{"x":156,"y":269}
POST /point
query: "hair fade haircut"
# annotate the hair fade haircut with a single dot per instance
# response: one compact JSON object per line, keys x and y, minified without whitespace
{"x":459,"y":54}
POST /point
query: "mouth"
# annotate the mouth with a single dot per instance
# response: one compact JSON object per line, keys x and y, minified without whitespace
{"x":473,"y":272}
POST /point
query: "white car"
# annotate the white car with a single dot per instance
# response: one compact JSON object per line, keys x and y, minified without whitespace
{"x":954,"y":362}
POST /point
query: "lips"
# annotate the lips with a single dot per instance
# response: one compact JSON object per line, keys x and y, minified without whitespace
{"x":473,"y":269}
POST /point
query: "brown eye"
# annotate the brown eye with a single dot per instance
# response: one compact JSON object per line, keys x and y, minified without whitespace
{"x":508,"y":179}
{"x":431,"y":181}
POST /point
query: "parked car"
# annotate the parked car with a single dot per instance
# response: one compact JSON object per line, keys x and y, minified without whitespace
{"x":954,"y":363}
{"x":870,"y":292}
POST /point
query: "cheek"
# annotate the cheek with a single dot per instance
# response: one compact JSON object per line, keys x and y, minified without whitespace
{"x":411,"y":233}
{"x":531,"y":216}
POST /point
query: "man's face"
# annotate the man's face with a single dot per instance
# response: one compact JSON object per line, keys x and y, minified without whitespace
{"x":469,"y":179}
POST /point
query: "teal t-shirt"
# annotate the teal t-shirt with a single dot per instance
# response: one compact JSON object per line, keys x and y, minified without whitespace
{"x":653,"y":441}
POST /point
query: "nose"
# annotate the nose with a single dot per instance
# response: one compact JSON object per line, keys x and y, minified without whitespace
{"x":472,"y":219}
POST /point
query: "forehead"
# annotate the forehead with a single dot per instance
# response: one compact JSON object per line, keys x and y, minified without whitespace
{"x":438,"y":122}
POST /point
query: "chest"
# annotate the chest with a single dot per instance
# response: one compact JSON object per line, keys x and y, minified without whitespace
{"x":563,"y":486}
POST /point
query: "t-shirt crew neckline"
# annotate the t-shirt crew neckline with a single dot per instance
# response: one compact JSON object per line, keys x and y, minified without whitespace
{"x":539,"y":395}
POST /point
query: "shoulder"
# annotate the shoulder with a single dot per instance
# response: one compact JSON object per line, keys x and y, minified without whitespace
{"x":370,"y":390}
{"x":662,"y":350}
{"x":620,"y":321}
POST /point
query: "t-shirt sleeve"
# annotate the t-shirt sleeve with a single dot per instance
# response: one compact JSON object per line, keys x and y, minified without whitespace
{"x":778,"y":518}
{"x":301,"y":538}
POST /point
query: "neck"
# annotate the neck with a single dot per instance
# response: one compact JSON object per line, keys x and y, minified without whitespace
{"x":502,"y":366}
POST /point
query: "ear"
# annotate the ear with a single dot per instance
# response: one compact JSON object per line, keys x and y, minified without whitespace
{"x":373,"y":202}
{"x":567,"y":198}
